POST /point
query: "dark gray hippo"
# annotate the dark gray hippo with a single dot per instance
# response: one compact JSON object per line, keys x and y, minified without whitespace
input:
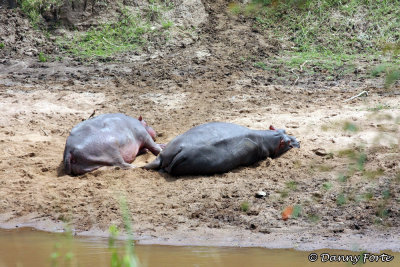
{"x":107,"y":140}
{"x":218,"y":147}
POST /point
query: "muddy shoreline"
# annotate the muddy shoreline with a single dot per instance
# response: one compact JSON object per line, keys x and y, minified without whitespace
{"x":373,"y":241}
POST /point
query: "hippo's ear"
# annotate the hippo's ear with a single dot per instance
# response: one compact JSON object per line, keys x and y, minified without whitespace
{"x":272,"y":128}
{"x":140,"y":118}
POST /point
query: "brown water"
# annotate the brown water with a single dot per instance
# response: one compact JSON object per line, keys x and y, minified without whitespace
{"x":30,"y":248}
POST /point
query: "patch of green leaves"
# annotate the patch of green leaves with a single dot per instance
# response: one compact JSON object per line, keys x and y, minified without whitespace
{"x":296,"y":211}
{"x":343,"y":178}
{"x":167,"y":24}
{"x":341,"y":199}
{"x":368,"y":196}
{"x":349,"y":126}
{"x":260,"y":65}
{"x":2,"y":45}
{"x":291,"y":185}
{"x":42,"y":57}
{"x":314,"y":217}
{"x":386,"y":194}
{"x":327,"y":186}
{"x":362,"y":158}
{"x":382,"y":212}
{"x":244,"y":206}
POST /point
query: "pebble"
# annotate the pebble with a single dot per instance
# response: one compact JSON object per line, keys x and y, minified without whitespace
{"x":260,"y":194}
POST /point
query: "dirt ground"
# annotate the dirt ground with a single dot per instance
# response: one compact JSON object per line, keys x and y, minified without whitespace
{"x":199,"y":79}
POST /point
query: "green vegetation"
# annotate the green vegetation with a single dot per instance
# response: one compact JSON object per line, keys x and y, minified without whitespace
{"x":284,"y":193}
{"x":2,"y":45}
{"x":291,"y":185}
{"x":333,"y":26}
{"x":244,"y":206}
{"x":386,"y":194}
{"x":34,"y":8}
{"x":126,"y":259}
{"x":129,"y":258}
{"x":368,"y":196}
{"x":327,"y":186}
{"x":341,"y":199}
{"x":324,"y":168}
{"x":107,"y":39}
{"x":379,"y":107}
{"x":391,"y":72}
{"x":129,"y":32}
{"x":382,"y":212}
{"x":330,"y":36}
{"x":351,"y":127}
{"x":42,"y":57}
{"x":296,"y":211}
{"x":350,"y":153}
{"x":343,"y":178}
{"x":372,"y":174}
{"x":314,"y":217}
{"x":260,"y":65}
{"x":167,"y":24}
{"x":57,"y":256}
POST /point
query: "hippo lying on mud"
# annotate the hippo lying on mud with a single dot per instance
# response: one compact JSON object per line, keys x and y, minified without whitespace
{"x":218,"y":147}
{"x":107,"y":140}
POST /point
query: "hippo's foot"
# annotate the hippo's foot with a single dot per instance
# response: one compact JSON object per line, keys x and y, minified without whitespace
{"x":142,"y":151}
{"x":154,"y":165}
{"x":162,"y":146}
{"x":126,"y":166}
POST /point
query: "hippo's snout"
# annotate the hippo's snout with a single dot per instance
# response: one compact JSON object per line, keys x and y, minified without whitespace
{"x":294,"y":142}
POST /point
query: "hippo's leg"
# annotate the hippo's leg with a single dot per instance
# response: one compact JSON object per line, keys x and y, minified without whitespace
{"x":90,"y":159}
{"x":152,"y":146}
{"x":154,"y":165}
{"x":126,"y":154}
{"x":125,"y":165}
{"x":145,"y":150}
{"x":142,"y":151}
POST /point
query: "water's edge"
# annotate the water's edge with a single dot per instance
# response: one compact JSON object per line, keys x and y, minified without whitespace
{"x":296,"y":238}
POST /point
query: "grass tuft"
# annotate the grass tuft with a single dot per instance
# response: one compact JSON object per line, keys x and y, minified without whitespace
{"x":244,"y":206}
{"x":42,"y":57}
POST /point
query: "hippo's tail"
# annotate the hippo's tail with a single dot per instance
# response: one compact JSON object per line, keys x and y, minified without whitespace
{"x":67,"y":161}
{"x":154,"y":165}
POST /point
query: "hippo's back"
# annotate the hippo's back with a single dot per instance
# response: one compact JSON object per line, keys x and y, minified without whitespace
{"x":108,"y":122}
{"x":210,"y":133}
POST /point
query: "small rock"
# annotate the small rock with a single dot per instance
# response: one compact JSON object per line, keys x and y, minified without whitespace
{"x":260,"y":194}
{"x":320,"y":152}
